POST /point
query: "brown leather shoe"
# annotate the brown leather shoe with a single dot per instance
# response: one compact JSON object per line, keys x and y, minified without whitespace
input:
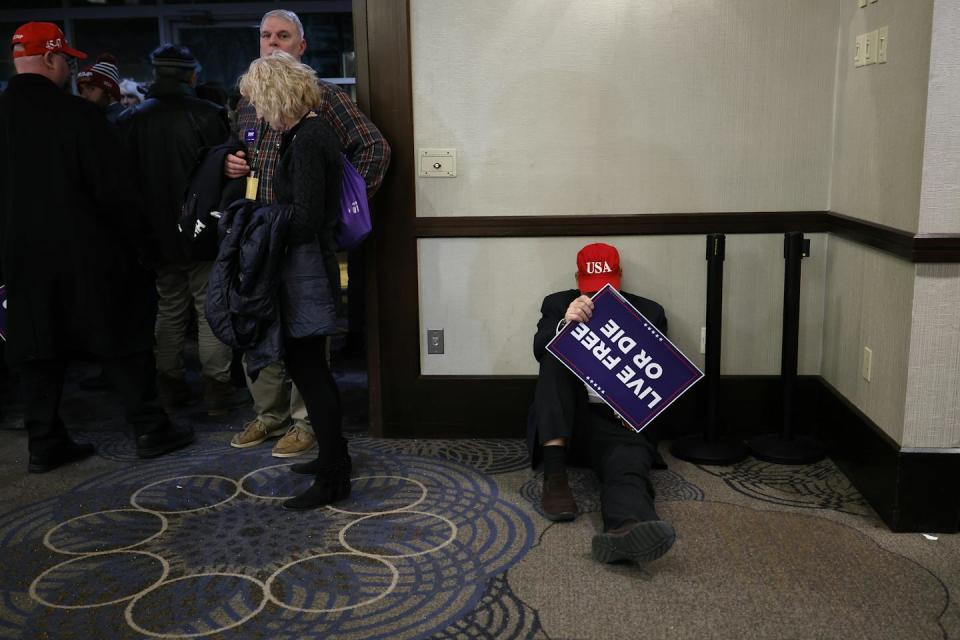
{"x":637,"y":541}
{"x":557,"y":499}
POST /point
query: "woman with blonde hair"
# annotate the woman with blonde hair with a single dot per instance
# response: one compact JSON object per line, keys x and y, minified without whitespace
{"x":286,"y":94}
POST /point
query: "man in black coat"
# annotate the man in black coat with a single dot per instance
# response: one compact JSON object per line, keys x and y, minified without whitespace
{"x":165,"y":135}
{"x":69,"y":251}
{"x":569,"y":423}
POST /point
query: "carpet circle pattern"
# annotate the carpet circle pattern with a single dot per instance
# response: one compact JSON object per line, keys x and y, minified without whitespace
{"x":197,"y":546}
{"x":817,"y":486}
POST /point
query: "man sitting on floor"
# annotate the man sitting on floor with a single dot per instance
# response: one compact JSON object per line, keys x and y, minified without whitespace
{"x":570,"y":423}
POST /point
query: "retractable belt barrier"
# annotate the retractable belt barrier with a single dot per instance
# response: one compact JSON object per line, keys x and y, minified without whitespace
{"x":711,"y":447}
{"x":787,"y":447}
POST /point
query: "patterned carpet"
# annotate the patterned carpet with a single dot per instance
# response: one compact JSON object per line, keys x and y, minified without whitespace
{"x":441,"y":539}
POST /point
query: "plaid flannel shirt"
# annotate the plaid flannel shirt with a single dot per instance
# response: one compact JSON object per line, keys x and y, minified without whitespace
{"x":362,"y":142}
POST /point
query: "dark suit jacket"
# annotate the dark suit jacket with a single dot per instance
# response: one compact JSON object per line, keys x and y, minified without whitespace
{"x":555,"y":305}
{"x":552,"y":310}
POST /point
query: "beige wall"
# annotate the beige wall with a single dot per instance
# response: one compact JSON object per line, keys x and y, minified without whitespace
{"x":485,"y":294}
{"x":932,"y":416}
{"x":933,"y":391}
{"x":878,"y":142}
{"x":624,"y":106}
{"x":940,"y":196}
{"x":653,"y":106}
{"x":868,"y":303}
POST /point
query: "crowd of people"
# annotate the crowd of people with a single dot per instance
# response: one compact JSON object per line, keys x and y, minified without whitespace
{"x":96,"y":264}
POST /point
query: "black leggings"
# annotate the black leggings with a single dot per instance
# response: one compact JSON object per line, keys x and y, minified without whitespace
{"x":306,"y":360}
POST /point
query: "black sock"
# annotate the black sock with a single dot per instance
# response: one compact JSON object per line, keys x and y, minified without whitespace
{"x":554,"y":459}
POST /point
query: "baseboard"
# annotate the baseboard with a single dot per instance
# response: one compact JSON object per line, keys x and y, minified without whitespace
{"x":911,"y":490}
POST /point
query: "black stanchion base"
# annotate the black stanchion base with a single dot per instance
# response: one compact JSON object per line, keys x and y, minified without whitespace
{"x":775,"y":448}
{"x":699,"y":450}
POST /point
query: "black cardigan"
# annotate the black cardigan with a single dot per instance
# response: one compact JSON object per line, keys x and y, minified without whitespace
{"x":308,"y":177}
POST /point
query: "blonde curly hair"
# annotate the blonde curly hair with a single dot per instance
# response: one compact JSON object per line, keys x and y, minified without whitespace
{"x":281,"y":89}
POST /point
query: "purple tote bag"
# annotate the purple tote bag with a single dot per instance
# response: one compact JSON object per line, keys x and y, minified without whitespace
{"x":355,"y":222}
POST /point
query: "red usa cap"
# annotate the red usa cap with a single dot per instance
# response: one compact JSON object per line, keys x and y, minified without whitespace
{"x":598,"y":264}
{"x":39,"y":37}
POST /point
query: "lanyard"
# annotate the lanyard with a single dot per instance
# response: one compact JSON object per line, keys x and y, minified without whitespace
{"x":258,"y":144}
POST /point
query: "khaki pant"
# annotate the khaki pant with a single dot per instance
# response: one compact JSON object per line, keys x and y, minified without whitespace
{"x":177,"y":287}
{"x":276,"y":399}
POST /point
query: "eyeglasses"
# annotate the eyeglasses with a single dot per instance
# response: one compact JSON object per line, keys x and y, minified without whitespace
{"x":71,"y":62}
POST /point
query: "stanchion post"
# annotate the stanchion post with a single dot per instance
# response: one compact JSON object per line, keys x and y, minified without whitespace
{"x":787,"y":447}
{"x":712,"y":448}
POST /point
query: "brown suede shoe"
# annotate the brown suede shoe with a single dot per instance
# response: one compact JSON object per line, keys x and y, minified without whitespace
{"x":557,"y":499}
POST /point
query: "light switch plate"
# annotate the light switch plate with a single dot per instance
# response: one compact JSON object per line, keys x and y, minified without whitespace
{"x":861,"y":3}
{"x":858,"y":50}
{"x":437,"y":163}
{"x":883,"y":35}
{"x":870,"y":48}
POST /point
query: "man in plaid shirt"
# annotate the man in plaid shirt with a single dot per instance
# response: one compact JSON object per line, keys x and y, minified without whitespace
{"x":275,"y":399}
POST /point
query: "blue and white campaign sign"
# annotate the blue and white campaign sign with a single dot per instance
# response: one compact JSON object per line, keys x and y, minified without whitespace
{"x":622,"y":356}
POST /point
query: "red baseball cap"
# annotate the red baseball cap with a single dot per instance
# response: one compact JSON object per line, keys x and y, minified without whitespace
{"x":598,"y":264}
{"x":39,"y":37}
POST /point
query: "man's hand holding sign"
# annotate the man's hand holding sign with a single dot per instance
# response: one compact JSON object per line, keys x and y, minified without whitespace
{"x":622,"y":356}
{"x":605,"y":363}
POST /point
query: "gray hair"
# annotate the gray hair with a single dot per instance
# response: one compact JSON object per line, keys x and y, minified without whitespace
{"x":283,"y":14}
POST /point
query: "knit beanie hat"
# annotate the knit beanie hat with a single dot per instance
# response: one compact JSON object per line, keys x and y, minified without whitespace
{"x":173,"y":55}
{"x":104,"y":73}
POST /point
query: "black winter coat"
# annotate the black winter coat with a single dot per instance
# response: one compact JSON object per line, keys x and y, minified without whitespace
{"x":262,"y":289}
{"x":165,"y":136}
{"x":242,"y":305}
{"x":69,"y":230}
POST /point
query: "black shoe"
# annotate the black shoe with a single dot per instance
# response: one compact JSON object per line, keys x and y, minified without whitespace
{"x":151,"y":445}
{"x":557,"y":498}
{"x":637,"y":541}
{"x":331,"y":484}
{"x":64,"y":454}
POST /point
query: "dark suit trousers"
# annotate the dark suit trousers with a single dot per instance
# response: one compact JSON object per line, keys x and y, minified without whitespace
{"x":41,"y":387}
{"x":620,"y":457}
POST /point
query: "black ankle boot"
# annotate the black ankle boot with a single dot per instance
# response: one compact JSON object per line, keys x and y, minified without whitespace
{"x":314,"y":466}
{"x":307,"y":468}
{"x":331,"y":484}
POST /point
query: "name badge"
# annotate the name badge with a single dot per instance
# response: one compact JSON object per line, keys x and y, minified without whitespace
{"x":253,"y":184}
{"x":250,"y":136}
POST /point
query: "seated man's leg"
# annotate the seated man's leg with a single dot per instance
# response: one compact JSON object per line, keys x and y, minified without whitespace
{"x":41,"y":387}
{"x":556,"y":405}
{"x":622,"y":460}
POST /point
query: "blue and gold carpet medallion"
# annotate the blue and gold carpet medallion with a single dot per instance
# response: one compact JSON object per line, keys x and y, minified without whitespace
{"x":198,"y":545}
